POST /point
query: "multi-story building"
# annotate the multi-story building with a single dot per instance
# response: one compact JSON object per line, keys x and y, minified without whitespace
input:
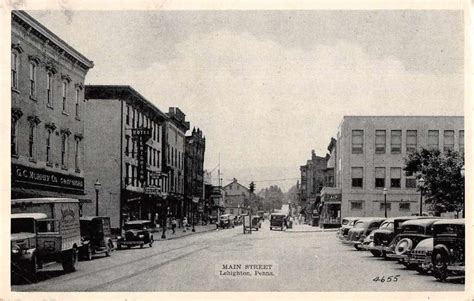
{"x":174,"y":132}
{"x":194,"y":175}
{"x":369,"y":156}
{"x":130,"y":172}
{"x":238,"y":199}
{"x":47,"y":123}
{"x":312,"y":181}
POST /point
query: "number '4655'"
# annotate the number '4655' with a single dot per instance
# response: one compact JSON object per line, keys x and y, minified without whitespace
{"x":386,"y":279}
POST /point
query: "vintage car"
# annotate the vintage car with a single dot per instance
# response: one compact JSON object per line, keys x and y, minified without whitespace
{"x":256,"y":222}
{"x":346,"y":224}
{"x":96,"y":236}
{"x":362,"y":228}
{"x":226,"y":221}
{"x":384,"y":236}
{"x":412,"y":232}
{"x":137,"y":233}
{"x":420,"y":256}
{"x":278,"y":220}
{"x":448,"y":256}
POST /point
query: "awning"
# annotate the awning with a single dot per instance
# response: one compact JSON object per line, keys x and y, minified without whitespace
{"x":25,"y":192}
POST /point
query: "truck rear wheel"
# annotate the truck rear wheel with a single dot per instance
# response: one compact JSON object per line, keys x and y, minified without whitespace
{"x":69,"y":260}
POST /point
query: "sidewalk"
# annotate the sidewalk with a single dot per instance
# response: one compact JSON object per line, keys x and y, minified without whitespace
{"x":308,"y":228}
{"x":179,"y":232}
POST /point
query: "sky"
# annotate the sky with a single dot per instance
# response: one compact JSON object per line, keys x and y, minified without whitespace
{"x":267,"y":87}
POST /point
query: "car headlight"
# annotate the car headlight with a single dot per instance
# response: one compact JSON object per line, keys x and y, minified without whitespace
{"x":141,"y":236}
{"x":16,"y":250}
{"x":119,"y":237}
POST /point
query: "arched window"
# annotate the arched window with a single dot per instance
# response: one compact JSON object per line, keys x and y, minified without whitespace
{"x":33,"y":80}
{"x":49,"y":89}
{"x":14,"y":71}
{"x":64,"y":95}
{"x":64,"y":149}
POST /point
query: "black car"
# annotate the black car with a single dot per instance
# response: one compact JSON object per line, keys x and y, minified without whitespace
{"x":95,"y":236}
{"x":137,"y":233}
{"x":448,"y":257}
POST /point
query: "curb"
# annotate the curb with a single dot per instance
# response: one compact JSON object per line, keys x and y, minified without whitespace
{"x":187,"y":234}
{"x":320,"y":230}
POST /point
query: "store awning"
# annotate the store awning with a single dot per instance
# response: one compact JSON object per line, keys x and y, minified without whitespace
{"x":19,"y":192}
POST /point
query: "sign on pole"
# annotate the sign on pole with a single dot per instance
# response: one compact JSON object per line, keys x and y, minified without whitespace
{"x":142,"y":135}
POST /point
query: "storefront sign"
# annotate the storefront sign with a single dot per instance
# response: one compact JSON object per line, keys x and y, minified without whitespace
{"x":142,"y":135}
{"x":36,"y":178}
{"x":153,"y":190}
{"x":333,"y":197}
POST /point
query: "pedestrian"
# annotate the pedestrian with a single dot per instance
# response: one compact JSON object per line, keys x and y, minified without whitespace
{"x":185,"y":223}
{"x":173,"y":224}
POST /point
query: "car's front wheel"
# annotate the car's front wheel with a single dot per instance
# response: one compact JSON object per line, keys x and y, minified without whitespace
{"x":376,"y":253}
{"x":440,"y":264}
{"x":69,"y":260}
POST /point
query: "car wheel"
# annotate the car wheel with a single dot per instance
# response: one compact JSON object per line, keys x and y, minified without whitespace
{"x":151,"y":242}
{"x":270,"y":228}
{"x":357,"y":247}
{"x":129,"y":246}
{"x":440,"y":266}
{"x":141,"y":246}
{"x":376,"y":253}
{"x":69,"y":260}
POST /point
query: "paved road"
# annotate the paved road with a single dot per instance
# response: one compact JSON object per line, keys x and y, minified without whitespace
{"x":300,"y":261}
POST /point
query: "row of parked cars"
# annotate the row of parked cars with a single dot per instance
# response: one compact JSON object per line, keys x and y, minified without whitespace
{"x":46,"y":230}
{"x":427,"y":244}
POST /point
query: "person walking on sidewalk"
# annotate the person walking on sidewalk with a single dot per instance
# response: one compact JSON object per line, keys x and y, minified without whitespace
{"x":173,"y":224}
{"x":185,"y":223}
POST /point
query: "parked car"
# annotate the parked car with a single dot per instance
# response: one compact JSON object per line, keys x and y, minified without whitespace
{"x":362,"y":228}
{"x":256,"y":222}
{"x":137,"y":233}
{"x":420,"y":256}
{"x":277,"y":220}
{"x":226,"y":221}
{"x":412,"y":232}
{"x":448,"y":256}
{"x":384,"y":236}
{"x":95,"y":236}
{"x":346,"y":224}
{"x":44,"y":230}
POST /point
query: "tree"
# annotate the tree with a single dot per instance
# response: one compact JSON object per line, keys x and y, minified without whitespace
{"x":444,"y":184}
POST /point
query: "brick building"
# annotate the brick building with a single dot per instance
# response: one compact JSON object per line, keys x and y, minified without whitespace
{"x":47,"y":123}
{"x":194,"y":175}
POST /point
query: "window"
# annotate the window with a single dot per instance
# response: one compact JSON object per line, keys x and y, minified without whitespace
{"x":64,"y":150}
{"x":395,"y":175}
{"x":380,"y":141}
{"x":76,"y":155}
{"x":411,"y":140}
{"x":357,"y":141}
{"x":404,"y":207}
{"x":14,"y":138}
{"x":48,"y":146}
{"x":133,"y":117}
{"x":357,"y":177}
{"x":379,"y":177}
{"x":433,"y":139}
{"x":382,"y":206}
{"x":448,"y":140}
{"x":133,"y":176}
{"x":127,"y":116}
{"x":158,"y":159}
{"x":32,"y":79}
{"x":14,"y":67}
{"x":78,"y":103}
{"x":127,"y":145}
{"x":461,"y":141}
{"x":31,"y":141}
{"x":127,"y":173}
{"x":64,"y":91}
{"x":410,"y":182}
{"x":396,"y":141}
{"x":356,"y":205}
{"x":49,"y":89}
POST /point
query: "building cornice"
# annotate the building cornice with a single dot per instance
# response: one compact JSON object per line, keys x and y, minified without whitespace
{"x":36,"y":28}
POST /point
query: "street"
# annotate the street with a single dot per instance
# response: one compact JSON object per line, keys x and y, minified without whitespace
{"x":301,"y":259}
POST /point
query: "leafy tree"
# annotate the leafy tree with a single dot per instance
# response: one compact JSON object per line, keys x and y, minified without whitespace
{"x":444,"y":184}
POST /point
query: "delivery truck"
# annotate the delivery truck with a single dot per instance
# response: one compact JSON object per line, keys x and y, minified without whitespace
{"x":44,"y":230}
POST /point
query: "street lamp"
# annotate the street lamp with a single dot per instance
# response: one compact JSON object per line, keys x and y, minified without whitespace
{"x":97,"y":187}
{"x":385,"y":200}
{"x":463,"y":200}
{"x":421,"y":185}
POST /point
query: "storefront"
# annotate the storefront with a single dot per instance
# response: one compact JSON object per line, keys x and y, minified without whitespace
{"x":330,"y":208}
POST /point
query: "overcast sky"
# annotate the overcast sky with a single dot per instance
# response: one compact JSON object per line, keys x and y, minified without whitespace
{"x":267,"y":87}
